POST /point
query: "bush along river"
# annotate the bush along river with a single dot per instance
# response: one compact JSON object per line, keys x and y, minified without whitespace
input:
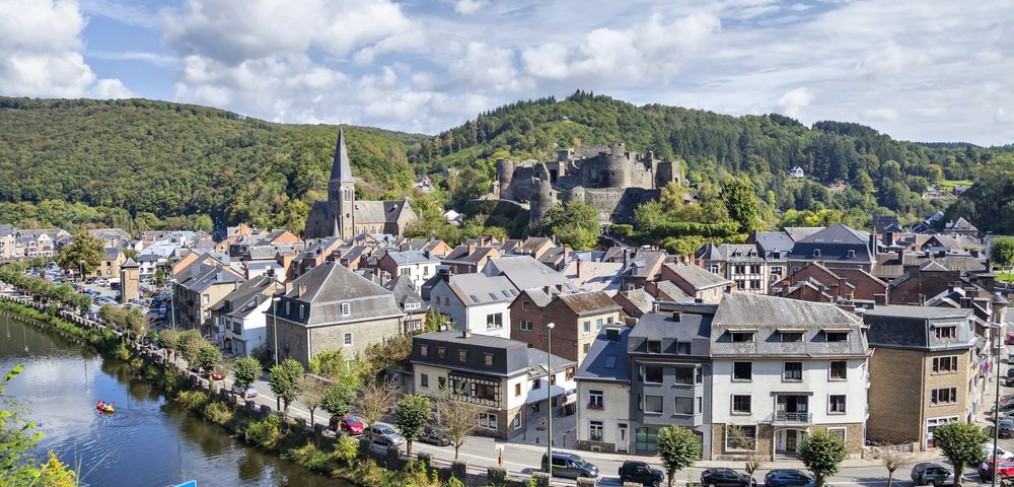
{"x":149,"y":440}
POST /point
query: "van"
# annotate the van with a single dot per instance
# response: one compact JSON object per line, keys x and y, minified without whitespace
{"x":569,"y":465}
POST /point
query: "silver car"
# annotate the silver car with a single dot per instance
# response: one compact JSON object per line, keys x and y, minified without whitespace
{"x":385,"y":435}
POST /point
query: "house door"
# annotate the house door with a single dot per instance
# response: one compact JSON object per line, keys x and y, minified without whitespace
{"x":621,"y":438}
{"x":791,"y":440}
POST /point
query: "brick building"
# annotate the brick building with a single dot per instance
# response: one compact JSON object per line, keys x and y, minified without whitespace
{"x":578,"y":318}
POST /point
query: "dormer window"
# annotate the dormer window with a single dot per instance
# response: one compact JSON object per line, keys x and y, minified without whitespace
{"x":791,"y":336}
{"x":346,"y":309}
{"x":816,"y":252}
{"x":836,"y":336}
{"x":851,"y":254}
{"x":742,"y":336}
{"x":945,"y":332}
{"x":654,"y":346}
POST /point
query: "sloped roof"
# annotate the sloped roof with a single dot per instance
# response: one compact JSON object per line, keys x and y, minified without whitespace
{"x":770,"y":242}
{"x":607,"y":359}
{"x":640,"y":299}
{"x":479,"y":288}
{"x":799,"y":233}
{"x":526,"y":273}
{"x":673,"y":291}
{"x":834,"y":244}
{"x":405,"y":291}
{"x":697,"y":277}
{"x":329,"y":285}
{"x":588,"y":302}
{"x":595,"y":276}
{"x":341,"y":168}
{"x":365,"y":212}
{"x":410,"y":257}
{"x":898,"y":326}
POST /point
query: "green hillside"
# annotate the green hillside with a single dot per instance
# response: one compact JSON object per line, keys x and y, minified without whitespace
{"x":159,"y":160}
{"x":848,"y":166}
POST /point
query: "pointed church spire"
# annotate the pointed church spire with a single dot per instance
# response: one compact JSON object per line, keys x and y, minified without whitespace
{"x":341,"y":170}
{"x":337,"y":233}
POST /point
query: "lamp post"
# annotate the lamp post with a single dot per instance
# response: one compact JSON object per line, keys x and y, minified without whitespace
{"x":172,"y":300}
{"x":549,"y":398}
{"x":996,"y":410}
{"x":274,"y":315}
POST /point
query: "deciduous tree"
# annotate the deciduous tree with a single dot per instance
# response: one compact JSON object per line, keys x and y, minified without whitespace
{"x":456,"y":419}
{"x":284,"y":382}
{"x":84,"y":252}
{"x":679,"y":448}
{"x":246,"y":370}
{"x":311,"y":392}
{"x":822,"y":453}
{"x":961,"y":443}
{"x":411,"y":415}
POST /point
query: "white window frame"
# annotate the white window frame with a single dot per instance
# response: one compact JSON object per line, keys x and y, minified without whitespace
{"x":596,"y":426}
{"x":830,"y":401}
{"x":661,"y":404}
{"x":347,"y":339}
{"x":596,"y":400}
{"x":346,"y":309}
{"x":730,"y":448}
{"x":487,"y":421}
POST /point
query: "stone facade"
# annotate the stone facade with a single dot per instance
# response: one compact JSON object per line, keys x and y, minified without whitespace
{"x":612,"y":179}
{"x":293,"y":337}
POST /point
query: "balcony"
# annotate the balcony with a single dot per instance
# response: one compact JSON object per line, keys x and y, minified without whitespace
{"x":597,"y":406}
{"x":786,"y":417}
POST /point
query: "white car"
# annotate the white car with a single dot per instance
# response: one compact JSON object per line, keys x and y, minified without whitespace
{"x":1004,"y":454}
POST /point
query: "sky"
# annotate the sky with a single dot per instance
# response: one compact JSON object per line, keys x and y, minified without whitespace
{"x":922,"y":70}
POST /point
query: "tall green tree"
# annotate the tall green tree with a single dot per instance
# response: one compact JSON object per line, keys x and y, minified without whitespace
{"x":246,"y":370}
{"x":169,"y":339}
{"x":575,"y":224}
{"x":413,"y":413}
{"x":962,"y":445}
{"x":311,"y":392}
{"x":822,"y":453}
{"x":284,"y":382}
{"x":679,"y":448}
{"x":741,"y":202}
{"x":84,"y":252}
{"x":338,"y":399}
{"x":207,"y":356}
{"x":1001,"y":251}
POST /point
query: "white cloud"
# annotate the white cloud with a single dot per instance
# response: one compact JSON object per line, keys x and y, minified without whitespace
{"x":160,"y":60}
{"x":468,"y":7}
{"x":41,"y":52}
{"x":793,"y":102}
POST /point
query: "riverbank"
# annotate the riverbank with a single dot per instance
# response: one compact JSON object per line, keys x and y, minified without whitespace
{"x":340,"y":457}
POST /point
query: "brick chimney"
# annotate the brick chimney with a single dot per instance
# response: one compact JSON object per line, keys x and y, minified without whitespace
{"x":302,"y":290}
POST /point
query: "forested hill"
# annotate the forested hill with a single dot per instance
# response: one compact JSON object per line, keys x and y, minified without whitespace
{"x":878,"y":173}
{"x":158,"y":160}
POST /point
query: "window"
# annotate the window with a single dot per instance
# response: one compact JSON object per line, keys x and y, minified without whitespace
{"x":742,"y":371}
{"x":755,"y":284}
{"x":586,"y":347}
{"x":947,"y":395}
{"x":595,"y":400}
{"x":424,"y":350}
{"x":205,"y":299}
{"x":740,"y":269}
{"x":943,"y":365}
{"x":524,"y":306}
{"x":586,"y":327}
{"x":653,"y":404}
{"x":526,"y":325}
{"x":462,"y":355}
{"x":714,"y":269}
{"x":441,"y":382}
{"x":851,"y":254}
{"x":836,"y":336}
{"x":441,"y":353}
{"x":654,"y":346}
{"x":302,"y":311}
{"x":598,"y":324}
{"x":685,"y":406}
{"x":424,"y":380}
{"x":837,"y":432}
{"x":653,"y":374}
{"x":945,"y":332}
{"x":646,"y":440}
{"x":791,"y":336}
{"x":517,"y":390}
{"x":816,"y":252}
{"x":742,"y":336}
{"x":346,"y":309}
{"x":536,"y":384}
{"x":348,"y":339}
{"x":516,"y":424}
{"x":777,"y":270}
{"x":755,"y":269}
{"x":494,"y":321}
{"x":683,"y":348}
{"x":487,"y":358}
{"x":836,"y":404}
{"x":595,"y":430}
{"x":685,"y":375}
{"x":740,"y":404}
{"x":838,"y":370}
{"x":487,"y":421}
{"x":793,"y":371}
{"x":740,"y":437}
{"x":570,"y":373}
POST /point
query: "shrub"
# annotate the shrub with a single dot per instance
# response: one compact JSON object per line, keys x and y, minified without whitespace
{"x":621,"y":229}
{"x":346,"y":449}
{"x":265,"y":432}
{"x":194,"y":400}
{"x":218,"y":413}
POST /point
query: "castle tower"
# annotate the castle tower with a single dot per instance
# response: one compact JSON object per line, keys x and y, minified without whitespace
{"x":543,"y":199}
{"x":618,"y":168}
{"x":341,"y":191}
{"x":504,"y":174}
{"x":130,"y":277}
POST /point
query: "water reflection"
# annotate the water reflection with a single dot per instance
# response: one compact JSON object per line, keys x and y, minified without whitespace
{"x":147,"y":442}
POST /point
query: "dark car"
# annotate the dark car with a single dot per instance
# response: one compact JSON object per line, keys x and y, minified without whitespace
{"x":787,"y":477}
{"x":725,"y":477}
{"x":640,"y":473}
{"x":1010,"y":372}
{"x":433,"y":437}
{"x":932,"y":474}
{"x":569,"y":465}
{"x":1006,"y":428}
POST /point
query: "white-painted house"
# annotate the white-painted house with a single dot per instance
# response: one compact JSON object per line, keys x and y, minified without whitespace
{"x":476,"y":302}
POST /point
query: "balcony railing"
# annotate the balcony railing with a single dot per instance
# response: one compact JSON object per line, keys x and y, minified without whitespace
{"x":791,"y":417}
{"x":596,"y":406}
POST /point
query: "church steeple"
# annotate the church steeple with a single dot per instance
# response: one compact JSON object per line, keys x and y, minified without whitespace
{"x":341,"y":170}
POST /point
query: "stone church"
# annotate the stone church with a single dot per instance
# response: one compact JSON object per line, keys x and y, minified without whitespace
{"x":343,"y":216}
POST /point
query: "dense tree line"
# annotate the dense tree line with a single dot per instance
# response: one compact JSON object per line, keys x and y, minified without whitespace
{"x":121,"y":161}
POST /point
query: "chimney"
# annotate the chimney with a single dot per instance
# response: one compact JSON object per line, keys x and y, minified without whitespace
{"x":471,"y":247}
{"x":302,"y":290}
{"x":548,"y":290}
{"x":465,"y":332}
{"x":578,"y":268}
{"x":626,"y":257}
{"x":873,"y":243}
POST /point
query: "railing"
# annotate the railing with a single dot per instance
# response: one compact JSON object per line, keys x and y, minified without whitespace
{"x":596,"y":406}
{"x":792,"y":417}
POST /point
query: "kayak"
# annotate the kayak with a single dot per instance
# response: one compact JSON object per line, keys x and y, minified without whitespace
{"x":105,"y":408}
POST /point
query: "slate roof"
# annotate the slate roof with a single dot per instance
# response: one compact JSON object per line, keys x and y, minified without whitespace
{"x":708,"y":251}
{"x":799,"y":233}
{"x":770,"y":242}
{"x":341,"y":169}
{"x":692,"y":326}
{"x":478,"y":288}
{"x":378,"y":211}
{"x":129,"y":264}
{"x":111,"y":253}
{"x":329,"y":285}
{"x":961,"y":224}
{"x":460,"y":254}
{"x":206,"y":275}
{"x":640,"y":299}
{"x":526,"y":273}
{"x":595,"y":276}
{"x":410,"y":257}
{"x":537,"y":362}
{"x":910,"y":327}
{"x":247,"y":296}
{"x":606,"y":360}
{"x":697,"y":277}
{"x":765,"y":315}
{"x":645,"y":261}
{"x":673,"y":291}
{"x":834,"y":243}
{"x":589,"y":302}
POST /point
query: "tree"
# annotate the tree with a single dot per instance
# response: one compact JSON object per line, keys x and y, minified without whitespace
{"x":434,"y":320}
{"x":135,"y":322}
{"x":961,"y":444}
{"x":456,"y":419}
{"x":338,"y":398}
{"x":188,"y":344}
{"x":246,"y":370}
{"x":1001,"y":252}
{"x":375,"y":399}
{"x":741,"y":202}
{"x":822,"y":453}
{"x":575,"y":224}
{"x":84,"y":252}
{"x":329,"y":363}
{"x":207,"y":356}
{"x":311,"y":391}
{"x":679,"y":448}
{"x":169,"y":339}
{"x":892,"y":459}
{"x":284,"y":382}
{"x":411,"y":415}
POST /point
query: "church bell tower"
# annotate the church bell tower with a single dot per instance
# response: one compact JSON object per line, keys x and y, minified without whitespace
{"x":341,"y":192}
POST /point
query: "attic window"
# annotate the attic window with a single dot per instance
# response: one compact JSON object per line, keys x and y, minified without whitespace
{"x":816,"y":252}
{"x":346,"y":309}
{"x":791,"y":336}
{"x":654,"y":346}
{"x":945,"y":332}
{"x":741,"y":336}
{"x":851,"y":254}
{"x":836,"y":336}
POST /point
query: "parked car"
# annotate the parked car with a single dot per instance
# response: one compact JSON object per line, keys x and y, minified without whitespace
{"x":787,"y":477}
{"x":1005,"y":470}
{"x":433,"y":437}
{"x":640,"y":473}
{"x":248,"y":393}
{"x":1006,"y":427}
{"x":932,"y":474}
{"x":569,"y":465}
{"x":725,"y":477}
{"x":1004,"y":454}
{"x":385,"y":435}
{"x":348,"y":424}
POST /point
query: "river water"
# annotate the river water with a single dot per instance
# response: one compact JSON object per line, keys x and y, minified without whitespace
{"x":148,"y":442}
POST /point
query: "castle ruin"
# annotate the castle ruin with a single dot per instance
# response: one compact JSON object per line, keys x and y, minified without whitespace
{"x":612,"y":179}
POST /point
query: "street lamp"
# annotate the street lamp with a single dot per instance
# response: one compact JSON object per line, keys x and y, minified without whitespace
{"x":996,"y":421}
{"x":549,"y":397}
{"x":172,"y":300}
{"x":274,"y":315}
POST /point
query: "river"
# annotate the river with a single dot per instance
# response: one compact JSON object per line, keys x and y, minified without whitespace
{"x":148,"y":442}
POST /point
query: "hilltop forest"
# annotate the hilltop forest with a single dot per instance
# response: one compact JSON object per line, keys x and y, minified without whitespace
{"x":142,"y":164}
